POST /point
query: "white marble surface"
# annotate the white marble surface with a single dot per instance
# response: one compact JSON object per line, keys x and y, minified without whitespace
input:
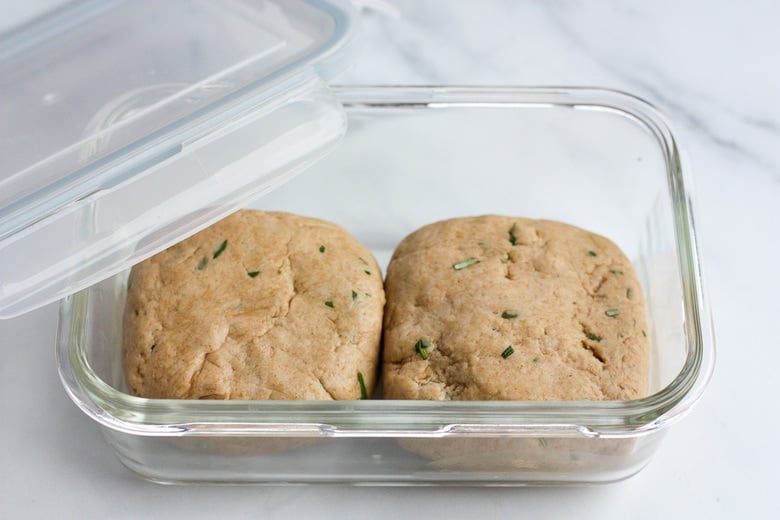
{"x":712,"y":68}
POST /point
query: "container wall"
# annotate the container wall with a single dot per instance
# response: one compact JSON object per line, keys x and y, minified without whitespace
{"x":408,"y":460}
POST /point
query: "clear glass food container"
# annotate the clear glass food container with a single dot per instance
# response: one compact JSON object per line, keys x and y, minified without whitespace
{"x":128,"y":126}
{"x":599,"y":159}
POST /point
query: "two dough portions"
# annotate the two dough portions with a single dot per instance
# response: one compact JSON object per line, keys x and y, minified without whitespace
{"x":508,"y":308}
{"x":257,"y":306}
{"x":278,"y":306}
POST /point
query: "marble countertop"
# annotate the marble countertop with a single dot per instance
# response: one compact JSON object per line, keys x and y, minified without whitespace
{"x":712,"y":68}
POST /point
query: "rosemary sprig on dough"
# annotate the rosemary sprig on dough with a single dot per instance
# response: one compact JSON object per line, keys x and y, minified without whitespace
{"x":592,"y":253}
{"x":329,"y":303}
{"x":354,"y":295}
{"x":252,"y":274}
{"x":512,"y":236}
{"x":463,"y":264}
{"x":616,"y":271}
{"x":364,"y":262}
{"x":422,"y":348}
{"x":612,"y":312}
{"x":322,"y":249}
{"x":592,"y":337}
{"x":507,"y":352}
{"x":509,"y":315}
{"x":363,"y":391}
{"x":203,"y":263}
{"x":629,"y":293}
{"x":220,"y":250}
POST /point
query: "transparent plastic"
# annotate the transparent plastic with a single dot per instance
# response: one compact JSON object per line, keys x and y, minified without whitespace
{"x":599,"y":159}
{"x":127,"y":125}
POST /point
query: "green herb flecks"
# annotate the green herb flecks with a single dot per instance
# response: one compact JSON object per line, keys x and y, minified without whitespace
{"x":367,"y":272}
{"x":535,"y":360}
{"x":219,"y":250}
{"x":592,"y":337}
{"x":363,"y":260}
{"x":542,"y":442}
{"x":616,"y":271}
{"x":322,"y":249}
{"x":644,"y":333}
{"x":463,"y":264}
{"x":362,"y":383}
{"x":509,"y":315}
{"x":507,"y":352}
{"x":422,"y":348}
{"x":512,"y":236}
{"x":203,"y":263}
{"x":592,"y":253}
{"x":629,"y":293}
{"x":354,"y":296}
{"x":252,"y":274}
{"x":612,"y":312}
{"x":154,"y":346}
{"x":329,"y":303}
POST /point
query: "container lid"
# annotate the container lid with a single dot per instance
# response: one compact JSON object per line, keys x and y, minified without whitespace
{"x":126,"y":126}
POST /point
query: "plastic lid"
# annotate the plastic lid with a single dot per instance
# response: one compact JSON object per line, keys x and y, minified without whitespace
{"x":127,"y":126}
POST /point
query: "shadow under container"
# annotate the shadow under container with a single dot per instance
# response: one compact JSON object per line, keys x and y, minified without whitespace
{"x":599,"y":159}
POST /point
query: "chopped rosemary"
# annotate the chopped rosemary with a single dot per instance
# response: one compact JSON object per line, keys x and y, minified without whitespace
{"x":329,"y":303}
{"x":367,"y":272}
{"x":354,"y":296}
{"x":592,"y":253}
{"x":220,"y":250}
{"x":363,"y":260}
{"x":629,"y":293}
{"x":542,"y":442}
{"x":363,"y":391}
{"x":202,"y":264}
{"x":154,"y":346}
{"x":612,"y":312}
{"x":252,"y":274}
{"x":507,"y":352}
{"x":644,"y":333}
{"x":422,"y":348}
{"x":616,"y":271}
{"x":535,"y":360}
{"x":468,"y":262}
{"x":592,"y":336}
{"x":322,"y":249}
{"x":509,"y":315}
{"x":512,"y":236}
